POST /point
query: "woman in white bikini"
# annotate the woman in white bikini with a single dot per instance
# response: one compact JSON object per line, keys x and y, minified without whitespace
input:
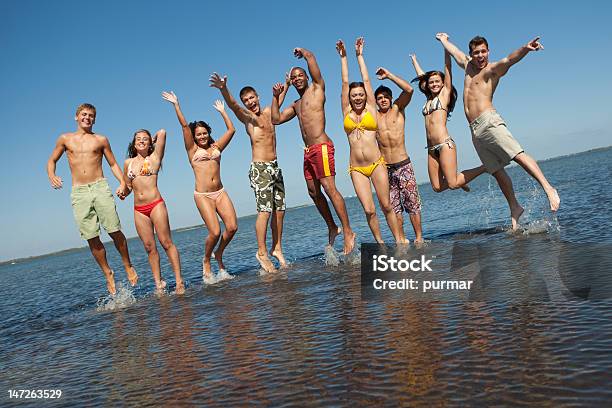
{"x":150,"y":213}
{"x":442,"y":158}
{"x":204,"y":154}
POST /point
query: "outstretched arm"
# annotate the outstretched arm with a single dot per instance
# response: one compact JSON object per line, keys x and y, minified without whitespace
{"x":126,"y":165}
{"x":344,"y":96}
{"x":159,"y":140}
{"x":313,"y":66}
{"x":122,"y":190}
{"x":276,"y":115}
{"x":359,"y":43}
{"x":448,"y":72}
{"x":461,"y":59}
{"x":404,"y":99}
{"x":241,"y":113}
{"x":187,"y":136}
{"x":502,"y":66}
{"x":229,"y":133}
{"x":58,"y":150}
{"x":417,"y":67}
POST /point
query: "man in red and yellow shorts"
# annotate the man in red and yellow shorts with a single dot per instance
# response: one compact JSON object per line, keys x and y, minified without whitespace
{"x":319,"y":161}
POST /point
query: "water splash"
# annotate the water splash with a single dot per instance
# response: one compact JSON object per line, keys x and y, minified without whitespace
{"x":223,"y":275}
{"x":353,"y":258}
{"x":120,"y":300}
{"x":331,"y":257}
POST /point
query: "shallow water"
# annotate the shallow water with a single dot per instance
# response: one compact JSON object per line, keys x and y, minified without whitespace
{"x":307,"y":336}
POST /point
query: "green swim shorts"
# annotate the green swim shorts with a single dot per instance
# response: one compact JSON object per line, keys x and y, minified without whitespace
{"x":267,"y":184}
{"x":93,"y":204}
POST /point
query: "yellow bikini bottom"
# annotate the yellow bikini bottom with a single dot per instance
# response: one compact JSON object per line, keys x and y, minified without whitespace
{"x":367,"y":170}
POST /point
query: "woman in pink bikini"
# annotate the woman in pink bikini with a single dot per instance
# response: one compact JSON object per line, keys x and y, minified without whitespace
{"x":204,"y":154}
{"x":150,"y":213}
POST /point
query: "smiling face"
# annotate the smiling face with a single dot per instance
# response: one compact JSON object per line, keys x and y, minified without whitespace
{"x":435,"y":84}
{"x":85,"y":118}
{"x":250,"y":100}
{"x":480,"y":55}
{"x":201,"y":136}
{"x":299,"y":79}
{"x":383,"y":101}
{"x":357,"y":98}
{"x":143,"y":143}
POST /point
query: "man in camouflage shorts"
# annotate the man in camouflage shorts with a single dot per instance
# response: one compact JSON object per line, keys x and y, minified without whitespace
{"x":265,"y":175}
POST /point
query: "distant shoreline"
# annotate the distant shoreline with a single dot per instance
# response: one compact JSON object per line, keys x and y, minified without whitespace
{"x":29,"y":258}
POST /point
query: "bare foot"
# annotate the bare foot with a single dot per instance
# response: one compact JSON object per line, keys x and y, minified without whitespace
{"x":159,"y":288}
{"x":515,"y":214}
{"x":553,"y":198}
{"x":265,"y":262}
{"x":278,"y":254}
{"x":349,"y":242}
{"x":110,"y":282}
{"x":131,"y":275}
{"x":465,"y":188}
{"x":218,"y":256}
{"x":207,"y":275}
{"x":180,"y":288}
{"x":333,"y":233}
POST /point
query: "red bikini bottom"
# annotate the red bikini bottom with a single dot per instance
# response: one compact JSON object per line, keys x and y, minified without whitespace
{"x":148,"y":208}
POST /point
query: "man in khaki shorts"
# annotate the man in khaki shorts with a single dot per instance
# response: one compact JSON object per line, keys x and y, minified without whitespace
{"x":92,"y":199}
{"x":493,"y":141}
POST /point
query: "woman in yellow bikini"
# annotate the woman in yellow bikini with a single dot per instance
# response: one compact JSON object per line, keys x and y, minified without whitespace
{"x":366,"y":162}
{"x":204,"y":155}
{"x":442,"y":158}
{"x":150,"y":213}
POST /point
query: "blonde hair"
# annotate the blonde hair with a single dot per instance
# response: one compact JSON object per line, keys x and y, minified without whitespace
{"x":86,"y":106}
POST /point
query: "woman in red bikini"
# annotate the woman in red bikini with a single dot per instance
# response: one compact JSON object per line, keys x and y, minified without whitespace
{"x":150,"y":213}
{"x":204,"y":155}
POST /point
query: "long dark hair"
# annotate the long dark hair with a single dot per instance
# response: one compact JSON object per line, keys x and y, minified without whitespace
{"x":131,"y":152}
{"x":201,"y":123}
{"x":423,"y":79}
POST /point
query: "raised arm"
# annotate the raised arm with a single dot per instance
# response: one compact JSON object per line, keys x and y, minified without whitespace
{"x":241,"y":113}
{"x":159,"y":142}
{"x":122,"y":190}
{"x":417,"y":67}
{"x":344,"y":96}
{"x":229,"y":133}
{"x":461,"y":59}
{"x":502,"y":66}
{"x":313,"y":66}
{"x":448,"y":72}
{"x":283,"y":94}
{"x":276,"y":115}
{"x":187,"y":135}
{"x":404,"y":98}
{"x":58,"y":150}
{"x":359,"y":43}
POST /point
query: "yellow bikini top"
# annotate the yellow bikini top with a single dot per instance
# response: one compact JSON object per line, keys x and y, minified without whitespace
{"x":367,"y":123}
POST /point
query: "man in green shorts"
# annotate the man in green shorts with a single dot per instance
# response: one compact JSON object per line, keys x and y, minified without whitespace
{"x":92,"y":199}
{"x":493,"y":141}
{"x":264,"y":174}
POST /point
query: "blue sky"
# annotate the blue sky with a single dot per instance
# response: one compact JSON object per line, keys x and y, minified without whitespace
{"x":121,"y":55}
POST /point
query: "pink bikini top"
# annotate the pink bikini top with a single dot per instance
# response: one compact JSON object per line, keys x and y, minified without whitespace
{"x":145,"y":170}
{"x":202,"y":155}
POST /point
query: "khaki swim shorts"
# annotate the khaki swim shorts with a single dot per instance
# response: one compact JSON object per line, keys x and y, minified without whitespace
{"x":93,"y":204}
{"x":493,"y":141}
